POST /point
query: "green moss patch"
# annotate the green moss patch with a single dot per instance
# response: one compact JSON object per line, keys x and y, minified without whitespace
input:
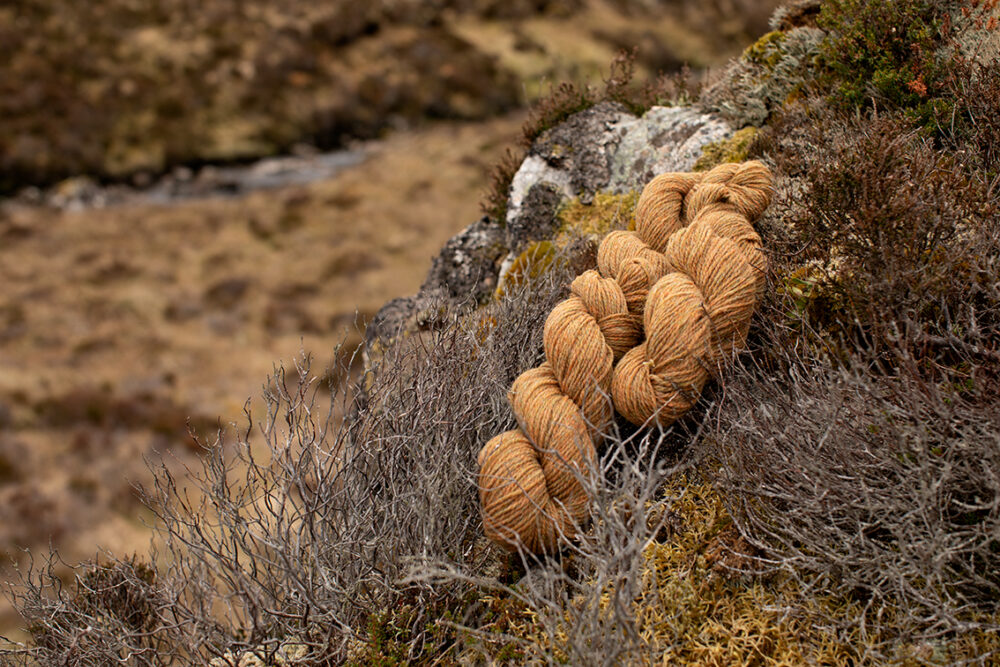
{"x":605,"y":213}
{"x":766,"y":50}
{"x":734,"y":149}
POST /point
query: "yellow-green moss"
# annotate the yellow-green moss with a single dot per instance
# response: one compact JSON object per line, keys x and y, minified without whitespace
{"x":606,"y":213}
{"x":734,"y":149}
{"x":702,"y":615}
{"x":694,"y":610}
{"x":766,"y":50}
{"x":531,"y":263}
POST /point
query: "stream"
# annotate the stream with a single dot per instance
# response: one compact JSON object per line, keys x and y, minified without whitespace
{"x":183,"y":183}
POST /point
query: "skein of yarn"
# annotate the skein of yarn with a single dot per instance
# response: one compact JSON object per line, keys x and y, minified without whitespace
{"x":699,"y":313}
{"x":687,"y":280}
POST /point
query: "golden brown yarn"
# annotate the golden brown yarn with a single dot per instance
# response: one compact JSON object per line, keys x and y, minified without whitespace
{"x":690,"y":289}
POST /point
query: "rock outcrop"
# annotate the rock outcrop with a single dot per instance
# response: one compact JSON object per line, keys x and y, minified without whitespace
{"x":601,"y":149}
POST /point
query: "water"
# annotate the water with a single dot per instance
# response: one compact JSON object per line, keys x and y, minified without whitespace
{"x":181,"y":184}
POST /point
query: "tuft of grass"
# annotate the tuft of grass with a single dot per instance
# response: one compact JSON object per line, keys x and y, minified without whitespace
{"x":620,"y":86}
{"x":495,"y":200}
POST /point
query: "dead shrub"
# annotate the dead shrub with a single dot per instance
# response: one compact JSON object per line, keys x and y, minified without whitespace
{"x":881,"y":489}
{"x":303,"y":525}
{"x":114,"y":613}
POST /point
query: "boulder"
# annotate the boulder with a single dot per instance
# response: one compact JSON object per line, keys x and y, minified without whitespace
{"x":601,"y":149}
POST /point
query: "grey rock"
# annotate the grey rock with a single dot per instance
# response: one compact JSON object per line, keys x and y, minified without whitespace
{"x":536,"y":217}
{"x":601,"y":149}
{"x":463,"y":275}
{"x":608,"y":149}
{"x":405,"y":318}
{"x":389,"y":321}
{"x":664,"y":139}
{"x":466,"y":268}
{"x":583,"y":145}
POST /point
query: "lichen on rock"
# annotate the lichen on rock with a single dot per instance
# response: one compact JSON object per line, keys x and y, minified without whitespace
{"x":665,"y":139}
{"x":768,"y":73}
{"x":536,"y":216}
{"x":579,"y":179}
{"x":583,"y":146}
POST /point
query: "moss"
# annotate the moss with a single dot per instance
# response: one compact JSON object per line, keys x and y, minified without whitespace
{"x":533,"y":262}
{"x":397,"y":636}
{"x":695,"y":608}
{"x":779,"y":65}
{"x":264,"y":656}
{"x":605,"y":213}
{"x":734,"y":149}
{"x":701,"y":613}
{"x":766,"y":51}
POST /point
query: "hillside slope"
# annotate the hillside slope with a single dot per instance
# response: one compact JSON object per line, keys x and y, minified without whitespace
{"x":831,"y":499}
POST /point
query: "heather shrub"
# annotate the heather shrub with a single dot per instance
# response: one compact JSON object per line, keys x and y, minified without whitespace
{"x":882,"y":242}
{"x":971,"y":127}
{"x":881,"y":490}
{"x":856,"y":447}
{"x":886,"y":52}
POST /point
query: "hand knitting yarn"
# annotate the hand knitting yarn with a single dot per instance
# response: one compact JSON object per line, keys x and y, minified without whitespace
{"x":666,"y":306}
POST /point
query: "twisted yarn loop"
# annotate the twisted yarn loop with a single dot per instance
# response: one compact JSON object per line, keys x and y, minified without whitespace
{"x":666,"y":306}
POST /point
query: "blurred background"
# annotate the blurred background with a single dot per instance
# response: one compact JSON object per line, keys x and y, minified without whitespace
{"x":193,"y":191}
